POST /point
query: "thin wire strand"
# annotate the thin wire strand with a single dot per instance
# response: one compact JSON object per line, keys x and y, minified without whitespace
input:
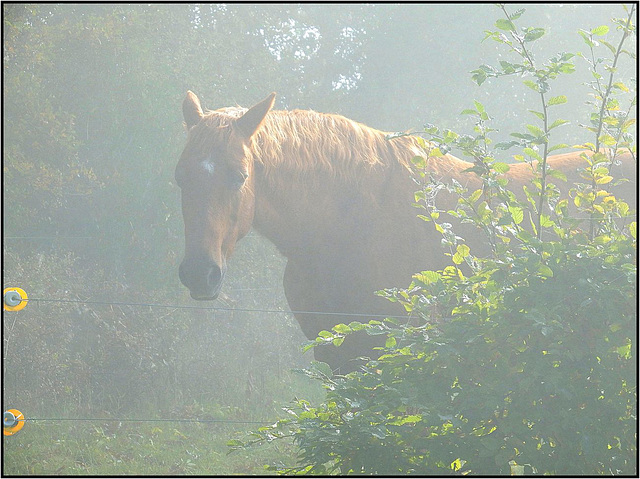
{"x":209,"y":308}
{"x":46,"y":237}
{"x":110,"y":419}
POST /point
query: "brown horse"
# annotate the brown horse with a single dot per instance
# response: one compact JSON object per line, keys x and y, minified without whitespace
{"x":333,"y":195}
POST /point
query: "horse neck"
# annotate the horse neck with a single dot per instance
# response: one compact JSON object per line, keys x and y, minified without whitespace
{"x":311,"y":194}
{"x":297,"y":210}
{"x":308,"y":193}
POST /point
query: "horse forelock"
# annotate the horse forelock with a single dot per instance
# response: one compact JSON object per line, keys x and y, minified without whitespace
{"x":214,"y":129}
{"x":226,"y":113}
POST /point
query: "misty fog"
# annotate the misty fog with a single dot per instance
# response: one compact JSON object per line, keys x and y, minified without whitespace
{"x":92,"y":224}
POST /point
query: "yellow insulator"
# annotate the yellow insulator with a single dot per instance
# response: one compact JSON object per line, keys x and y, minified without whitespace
{"x":12,"y":421}
{"x":14,"y":299}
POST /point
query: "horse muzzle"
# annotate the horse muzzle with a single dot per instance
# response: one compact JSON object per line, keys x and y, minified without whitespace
{"x":203,"y":277}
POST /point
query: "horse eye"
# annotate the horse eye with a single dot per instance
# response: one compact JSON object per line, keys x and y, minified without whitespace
{"x":237,"y":179}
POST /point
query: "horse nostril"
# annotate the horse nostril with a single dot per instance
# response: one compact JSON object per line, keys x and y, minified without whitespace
{"x":214,"y":277}
{"x":202,"y":277}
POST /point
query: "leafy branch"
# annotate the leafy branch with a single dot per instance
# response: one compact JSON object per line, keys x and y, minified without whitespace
{"x":518,"y":42}
{"x":609,"y":123}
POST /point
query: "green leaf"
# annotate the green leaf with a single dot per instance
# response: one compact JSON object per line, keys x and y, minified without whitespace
{"x":321,"y":367}
{"x":523,"y":136}
{"x":546,"y":221}
{"x":557,"y":174}
{"x":525,"y":236}
{"x":587,"y":38}
{"x":504,"y":24}
{"x":479,"y":106}
{"x":534,"y":34}
{"x":633,"y":229}
{"x":338,"y":341}
{"x":535,"y":131}
{"x":505,"y":145}
{"x":478,"y":76}
{"x":558,"y":122}
{"x":411,"y":419}
{"x":508,"y":68}
{"x":308,"y":345}
{"x":540,"y":115}
{"x":307,"y":415}
{"x":630,"y":122}
{"x":463,"y":250}
{"x":500,"y":167}
{"x":611,"y":48}
{"x":435,"y":153}
{"x":390,"y":342}
{"x":603,"y":180}
{"x":427,"y":277}
{"x":601,"y":239}
{"x":517,"y":214}
{"x":531,"y":84}
{"x":517,"y":14}
{"x":449,"y":136}
{"x":341,"y":328}
{"x":557,"y":100}
{"x":600,"y":31}
{"x":599,"y":157}
{"x":607,"y":140}
{"x":545,"y":271}
{"x":559,"y":146}
{"x":624,"y":351}
{"x":475,"y":196}
{"x":356,"y":325}
{"x":567,"y":68}
{"x":419,"y":162}
{"x":457,"y":464}
{"x":532,"y":153}
{"x":621,"y":86}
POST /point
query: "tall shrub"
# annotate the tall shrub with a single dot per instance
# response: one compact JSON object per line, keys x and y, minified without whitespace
{"x":527,"y":364}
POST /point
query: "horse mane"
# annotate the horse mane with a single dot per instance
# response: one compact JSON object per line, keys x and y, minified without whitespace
{"x":305,"y":140}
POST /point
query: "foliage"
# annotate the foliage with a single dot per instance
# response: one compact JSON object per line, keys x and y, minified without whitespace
{"x":523,"y":361}
{"x":507,"y":379}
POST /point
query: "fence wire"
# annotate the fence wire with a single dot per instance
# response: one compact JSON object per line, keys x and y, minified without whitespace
{"x":210,"y":308}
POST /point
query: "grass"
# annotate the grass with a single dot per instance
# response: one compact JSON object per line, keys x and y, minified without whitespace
{"x":103,"y":361}
{"x":155,"y":448}
{"x":131,"y":448}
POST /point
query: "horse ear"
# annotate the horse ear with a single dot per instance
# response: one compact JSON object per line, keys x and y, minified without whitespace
{"x":249,"y":123}
{"x":191,"y":109}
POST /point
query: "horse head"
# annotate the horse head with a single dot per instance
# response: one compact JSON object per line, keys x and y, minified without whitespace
{"x":215,"y":175}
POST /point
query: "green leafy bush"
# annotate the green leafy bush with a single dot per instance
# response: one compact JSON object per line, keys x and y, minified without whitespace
{"x":520,"y":362}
